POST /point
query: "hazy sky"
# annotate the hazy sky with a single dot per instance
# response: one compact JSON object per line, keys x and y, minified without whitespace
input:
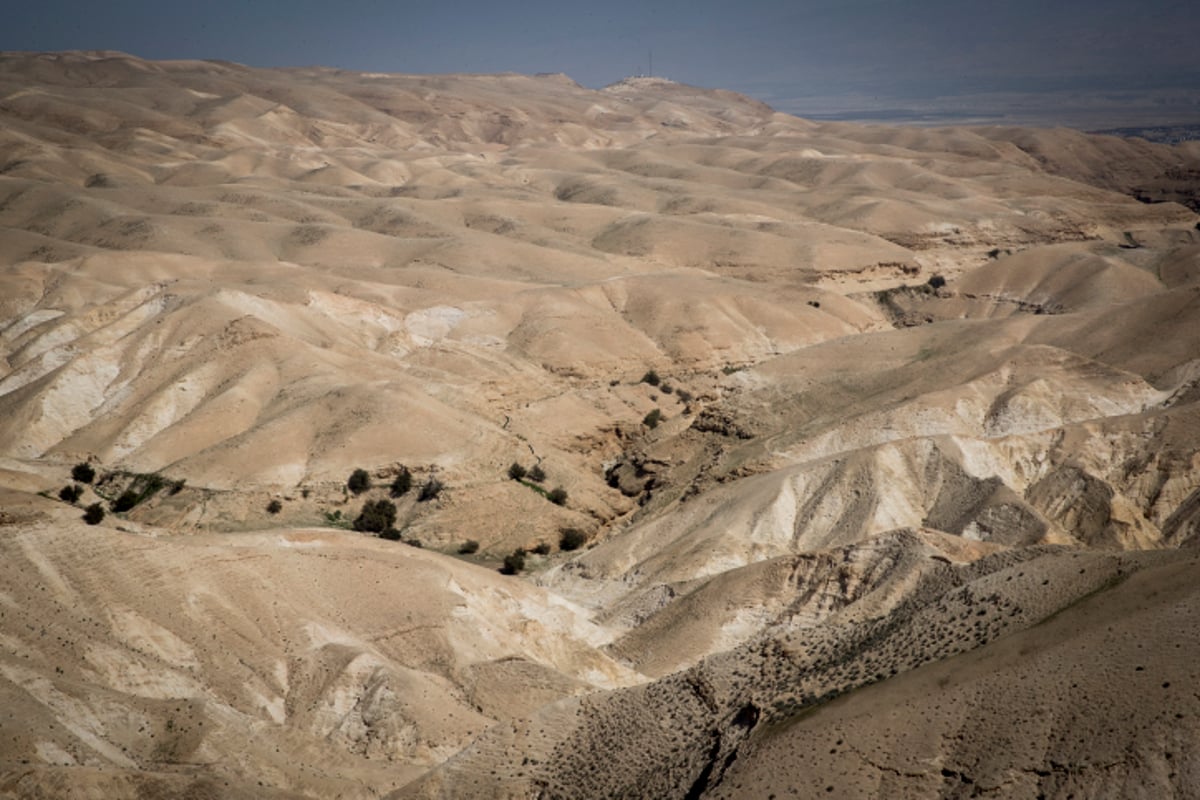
{"x":780,"y":50}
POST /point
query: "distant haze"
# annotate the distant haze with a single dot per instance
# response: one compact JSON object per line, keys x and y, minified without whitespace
{"x":1024,"y":59}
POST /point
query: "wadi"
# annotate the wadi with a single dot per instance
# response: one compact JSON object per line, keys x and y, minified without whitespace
{"x":369,"y":435}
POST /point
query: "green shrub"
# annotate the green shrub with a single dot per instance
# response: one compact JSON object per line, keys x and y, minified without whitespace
{"x":652,"y":419}
{"x":128,"y":499}
{"x":572,"y":539}
{"x":336,"y":520}
{"x":542,"y":548}
{"x":359,"y":481}
{"x":402,"y":484}
{"x":514,"y":562}
{"x":537,"y":474}
{"x":274,"y":507}
{"x":70,"y":493}
{"x":432,"y":488}
{"x":516,"y":471}
{"x":83,"y":472}
{"x":651,"y":377}
{"x":376,"y":516}
{"x":391,"y":534}
{"x":558,"y":496}
{"x":93,"y":514}
{"x":666,"y":388}
{"x":468,"y":547}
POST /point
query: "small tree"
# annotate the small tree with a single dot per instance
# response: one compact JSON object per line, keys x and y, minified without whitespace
{"x":391,"y":534}
{"x":376,"y":516}
{"x":93,"y":514}
{"x":128,"y":499}
{"x":70,"y":493}
{"x":652,"y":419}
{"x":274,"y":507}
{"x":514,"y":562}
{"x":432,"y":488}
{"x":542,"y":548}
{"x":651,"y":377}
{"x":83,"y":472}
{"x":359,"y":481}
{"x":558,"y":496}
{"x":516,"y":471}
{"x":537,"y":474}
{"x":572,"y":539}
{"x":402,"y":483}
{"x":468,"y":547}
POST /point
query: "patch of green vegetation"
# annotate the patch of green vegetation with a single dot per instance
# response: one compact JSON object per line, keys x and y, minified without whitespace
{"x":334,"y":519}
{"x":533,"y":486}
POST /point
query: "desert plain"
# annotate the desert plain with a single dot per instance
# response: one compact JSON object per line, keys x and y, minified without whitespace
{"x":869,"y":456}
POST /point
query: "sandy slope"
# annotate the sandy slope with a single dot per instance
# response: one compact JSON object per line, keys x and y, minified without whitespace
{"x":251,"y":282}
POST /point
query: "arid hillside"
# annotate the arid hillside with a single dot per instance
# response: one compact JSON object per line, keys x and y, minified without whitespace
{"x":849,"y":460}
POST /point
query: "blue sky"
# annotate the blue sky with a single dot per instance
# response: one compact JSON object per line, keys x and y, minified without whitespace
{"x":778,"y":51}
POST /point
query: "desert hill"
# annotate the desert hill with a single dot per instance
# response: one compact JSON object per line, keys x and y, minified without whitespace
{"x":839,"y":412}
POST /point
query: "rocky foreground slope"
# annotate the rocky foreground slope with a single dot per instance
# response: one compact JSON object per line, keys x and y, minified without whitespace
{"x":883,"y":442}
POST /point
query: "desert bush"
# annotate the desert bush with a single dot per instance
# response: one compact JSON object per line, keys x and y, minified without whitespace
{"x":359,"y":481}
{"x":274,"y":507}
{"x":651,"y":377}
{"x":652,"y":419}
{"x":537,"y":474}
{"x":376,"y":516}
{"x":666,"y":388}
{"x":572,"y":539}
{"x":558,"y":496}
{"x":516,"y":471}
{"x":432,"y":488}
{"x":402,"y":484}
{"x":542,"y":548}
{"x":936,"y":282}
{"x":391,"y":534}
{"x":514,"y":562}
{"x":468,"y":547}
{"x":684,"y":395}
{"x":70,"y":493}
{"x":127,"y":500}
{"x":177,"y":486}
{"x":83,"y":472}
{"x":93,"y":514}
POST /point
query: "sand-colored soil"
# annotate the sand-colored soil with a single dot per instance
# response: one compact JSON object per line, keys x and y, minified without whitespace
{"x":910,"y":509}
